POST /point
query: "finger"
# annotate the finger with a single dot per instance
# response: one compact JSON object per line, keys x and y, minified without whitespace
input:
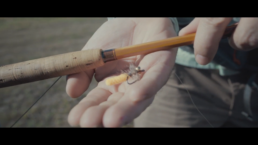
{"x":124,"y":111}
{"x":95,"y":97}
{"x":245,"y":36}
{"x":208,"y":35}
{"x":78,"y":83}
{"x":191,"y":28}
{"x":93,"y":116}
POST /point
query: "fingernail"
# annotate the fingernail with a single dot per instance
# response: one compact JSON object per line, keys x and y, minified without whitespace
{"x":202,"y":59}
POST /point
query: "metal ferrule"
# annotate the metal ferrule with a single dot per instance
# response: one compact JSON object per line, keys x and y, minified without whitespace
{"x":108,"y":55}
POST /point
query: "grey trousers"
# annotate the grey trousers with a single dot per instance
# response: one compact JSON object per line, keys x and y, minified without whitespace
{"x":219,"y":100}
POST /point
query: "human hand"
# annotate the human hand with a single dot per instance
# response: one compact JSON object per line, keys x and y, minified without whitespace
{"x":114,"y":106}
{"x":209,"y":32}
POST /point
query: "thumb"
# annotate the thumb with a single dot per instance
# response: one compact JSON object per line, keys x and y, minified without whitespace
{"x":190,"y":28}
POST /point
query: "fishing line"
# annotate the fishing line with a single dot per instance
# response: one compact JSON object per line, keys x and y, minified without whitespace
{"x":194,"y":103}
{"x":35,"y":102}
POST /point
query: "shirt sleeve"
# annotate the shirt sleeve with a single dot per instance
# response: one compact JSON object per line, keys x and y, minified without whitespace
{"x":175,"y":24}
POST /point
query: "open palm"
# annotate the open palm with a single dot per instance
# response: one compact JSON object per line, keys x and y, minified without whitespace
{"x":114,"y":106}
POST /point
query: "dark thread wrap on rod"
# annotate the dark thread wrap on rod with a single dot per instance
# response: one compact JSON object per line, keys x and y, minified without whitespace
{"x":108,"y":55}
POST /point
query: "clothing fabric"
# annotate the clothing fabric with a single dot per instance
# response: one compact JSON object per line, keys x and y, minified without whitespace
{"x":218,"y":98}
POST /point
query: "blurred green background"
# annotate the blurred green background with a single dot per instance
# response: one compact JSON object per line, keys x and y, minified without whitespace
{"x":23,"y":39}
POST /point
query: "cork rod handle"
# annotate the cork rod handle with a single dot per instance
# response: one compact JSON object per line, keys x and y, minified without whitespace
{"x":49,"y":67}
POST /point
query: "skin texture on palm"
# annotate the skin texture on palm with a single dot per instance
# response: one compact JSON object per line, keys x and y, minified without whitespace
{"x":114,"y":106}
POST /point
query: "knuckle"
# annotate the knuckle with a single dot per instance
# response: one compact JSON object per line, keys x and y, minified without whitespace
{"x":216,"y":22}
{"x":208,"y":50}
{"x":247,"y":42}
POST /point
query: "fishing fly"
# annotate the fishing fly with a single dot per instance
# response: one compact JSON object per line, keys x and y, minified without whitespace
{"x":131,"y":75}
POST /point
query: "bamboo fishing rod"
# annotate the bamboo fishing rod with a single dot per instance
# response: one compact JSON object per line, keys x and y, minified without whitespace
{"x":79,"y":61}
